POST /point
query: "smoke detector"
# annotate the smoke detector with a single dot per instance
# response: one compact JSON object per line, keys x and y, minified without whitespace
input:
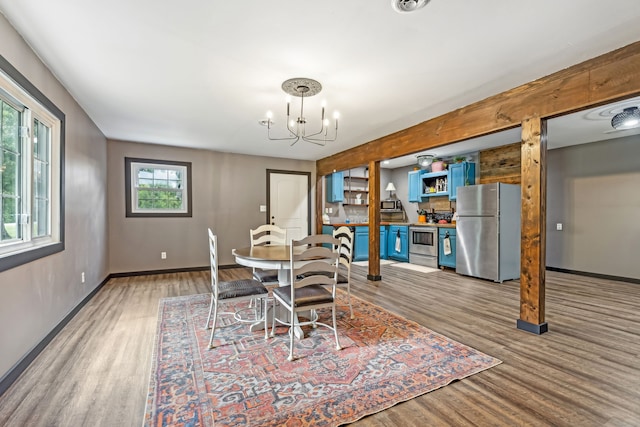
{"x":406,"y":6}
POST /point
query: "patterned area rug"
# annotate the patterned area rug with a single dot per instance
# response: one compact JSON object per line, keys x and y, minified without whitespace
{"x":246,"y":380}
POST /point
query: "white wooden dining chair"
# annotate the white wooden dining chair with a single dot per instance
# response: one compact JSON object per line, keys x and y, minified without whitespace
{"x":345,"y":252}
{"x":267,"y":234}
{"x":307,"y":292}
{"x":233,"y":291}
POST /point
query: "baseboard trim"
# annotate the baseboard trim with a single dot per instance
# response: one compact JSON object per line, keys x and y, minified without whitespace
{"x":23,"y":364}
{"x":595,"y":275}
{"x":168,"y":271}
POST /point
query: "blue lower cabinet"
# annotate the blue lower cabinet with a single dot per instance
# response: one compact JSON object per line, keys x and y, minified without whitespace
{"x":361,"y":244}
{"x":447,"y":260}
{"x":398,"y":243}
{"x":327,"y":229}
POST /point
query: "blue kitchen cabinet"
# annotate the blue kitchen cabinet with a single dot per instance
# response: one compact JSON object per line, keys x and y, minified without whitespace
{"x":335,"y":187}
{"x":398,"y":232}
{"x":327,"y":229}
{"x":448,"y":260}
{"x":383,"y":242}
{"x":434,"y":183}
{"x":415,"y":187}
{"x":361,"y":243}
{"x":460,"y":174}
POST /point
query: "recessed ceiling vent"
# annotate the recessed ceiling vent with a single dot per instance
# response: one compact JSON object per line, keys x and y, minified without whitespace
{"x":406,"y":6}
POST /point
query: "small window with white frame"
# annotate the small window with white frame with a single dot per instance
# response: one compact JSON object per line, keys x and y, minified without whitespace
{"x":157,"y":188}
{"x":31,"y":171}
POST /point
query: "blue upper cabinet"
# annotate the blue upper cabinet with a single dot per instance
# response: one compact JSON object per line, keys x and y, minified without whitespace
{"x":415,"y":189}
{"x":434,"y":183}
{"x":335,"y":187}
{"x":460,"y":174}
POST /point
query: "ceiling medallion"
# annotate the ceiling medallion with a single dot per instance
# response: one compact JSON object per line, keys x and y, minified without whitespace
{"x":303,"y":88}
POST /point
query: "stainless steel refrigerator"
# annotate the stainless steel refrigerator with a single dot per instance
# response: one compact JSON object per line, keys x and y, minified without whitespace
{"x":488,"y":231}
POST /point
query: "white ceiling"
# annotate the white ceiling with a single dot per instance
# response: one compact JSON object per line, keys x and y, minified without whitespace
{"x":201,"y":73}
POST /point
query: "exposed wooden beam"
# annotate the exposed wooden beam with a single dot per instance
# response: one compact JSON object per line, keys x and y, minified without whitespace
{"x":533,"y":226}
{"x":611,"y":76}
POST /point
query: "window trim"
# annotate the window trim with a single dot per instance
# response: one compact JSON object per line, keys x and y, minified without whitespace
{"x":129,"y":213}
{"x":25,"y":256}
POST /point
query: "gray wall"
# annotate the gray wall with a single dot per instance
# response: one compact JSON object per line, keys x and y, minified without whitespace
{"x":594,"y":191}
{"x":38,"y":295}
{"x":227,"y":192}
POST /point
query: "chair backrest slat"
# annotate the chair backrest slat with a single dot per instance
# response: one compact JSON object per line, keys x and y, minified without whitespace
{"x":268,"y":234}
{"x":346,"y":245}
{"x":322,"y":260}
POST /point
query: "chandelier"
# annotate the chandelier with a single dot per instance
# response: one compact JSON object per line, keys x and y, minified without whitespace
{"x":302,"y":88}
{"x":629,"y":118}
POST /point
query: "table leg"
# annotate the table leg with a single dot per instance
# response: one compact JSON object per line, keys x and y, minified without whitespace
{"x":284,"y":278}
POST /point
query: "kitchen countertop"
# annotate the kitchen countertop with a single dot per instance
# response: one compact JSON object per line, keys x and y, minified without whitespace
{"x":425,"y":224}
{"x":364,"y":224}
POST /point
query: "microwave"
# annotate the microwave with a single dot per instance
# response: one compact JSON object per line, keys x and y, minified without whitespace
{"x":391,"y":205}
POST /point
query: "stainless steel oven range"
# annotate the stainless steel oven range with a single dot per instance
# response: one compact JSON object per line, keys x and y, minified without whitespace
{"x":423,"y":246}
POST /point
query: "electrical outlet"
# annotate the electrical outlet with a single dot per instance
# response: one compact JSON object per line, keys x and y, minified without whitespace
{"x":163,"y":255}
{"x":82,"y":277}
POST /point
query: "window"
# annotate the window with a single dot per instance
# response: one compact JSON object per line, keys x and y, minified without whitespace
{"x":31,"y":171}
{"x":157,"y":188}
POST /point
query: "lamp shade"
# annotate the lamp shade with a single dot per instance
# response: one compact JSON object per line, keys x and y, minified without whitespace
{"x":390,"y":187}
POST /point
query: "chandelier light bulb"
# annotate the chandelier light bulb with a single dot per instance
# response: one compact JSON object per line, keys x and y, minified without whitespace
{"x":269,"y":115}
{"x":336,"y":115}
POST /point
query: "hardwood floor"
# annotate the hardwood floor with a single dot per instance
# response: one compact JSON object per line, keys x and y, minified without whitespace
{"x":584,"y":372}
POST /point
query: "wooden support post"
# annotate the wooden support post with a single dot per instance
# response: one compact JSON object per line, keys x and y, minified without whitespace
{"x":319,"y":203}
{"x":374,"y":221}
{"x":533,"y":226}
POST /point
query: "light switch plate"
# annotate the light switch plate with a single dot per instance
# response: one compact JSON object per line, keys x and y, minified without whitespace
{"x":559,"y":226}
{"x":263,"y":208}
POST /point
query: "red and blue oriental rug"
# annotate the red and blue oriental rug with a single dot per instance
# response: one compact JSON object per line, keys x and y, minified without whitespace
{"x":247,"y":381}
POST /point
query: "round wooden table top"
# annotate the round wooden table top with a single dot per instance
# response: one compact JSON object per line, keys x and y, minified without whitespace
{"x":266,"y":252}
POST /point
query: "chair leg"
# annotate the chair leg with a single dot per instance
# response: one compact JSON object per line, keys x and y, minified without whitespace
{"x":273,"y":319}
{"x":210,"y":309}
{"x":349,"y":299}
{"x":265,"y":312}
{"x":292,"y":334}
{"x":335,"y":329}
{"x":215,"y":318}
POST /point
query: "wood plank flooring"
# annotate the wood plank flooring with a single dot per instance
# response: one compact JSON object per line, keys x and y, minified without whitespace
{"x":584,"y":372}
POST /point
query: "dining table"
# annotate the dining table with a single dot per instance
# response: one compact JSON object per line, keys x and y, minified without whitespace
{"x":275,"y":257}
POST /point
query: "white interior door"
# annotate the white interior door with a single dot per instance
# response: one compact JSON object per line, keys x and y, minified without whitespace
{"x":289,"y":203}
